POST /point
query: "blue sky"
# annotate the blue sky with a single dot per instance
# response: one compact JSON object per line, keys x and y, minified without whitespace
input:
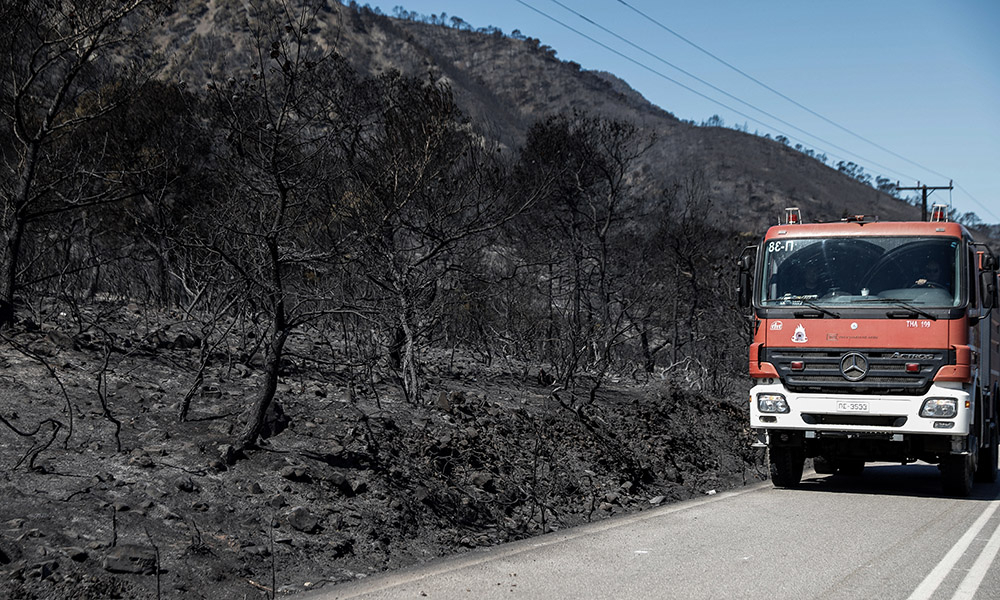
{"x":919,"y":78}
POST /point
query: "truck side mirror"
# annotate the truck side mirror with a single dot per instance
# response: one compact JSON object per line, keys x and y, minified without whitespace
{"x":988,"y":289}
{"x":989,"y":262}
{"x":743,"y":288}
{"x":744,"y":285}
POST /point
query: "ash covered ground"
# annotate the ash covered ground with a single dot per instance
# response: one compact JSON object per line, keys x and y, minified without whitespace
{"x":105,"y":493}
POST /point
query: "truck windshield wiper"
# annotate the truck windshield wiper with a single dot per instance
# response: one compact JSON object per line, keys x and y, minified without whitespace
{"x":905,"y":305}
{"x":806,"y":301}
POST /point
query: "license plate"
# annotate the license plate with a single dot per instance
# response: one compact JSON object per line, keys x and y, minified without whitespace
{"x":854,"y":407}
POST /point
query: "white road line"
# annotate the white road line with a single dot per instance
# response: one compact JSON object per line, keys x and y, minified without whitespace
{"x":970,"y":585}
{"x":930,"y":583}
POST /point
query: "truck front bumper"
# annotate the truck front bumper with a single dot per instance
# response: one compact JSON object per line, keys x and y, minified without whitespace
{"x":849,"y":413}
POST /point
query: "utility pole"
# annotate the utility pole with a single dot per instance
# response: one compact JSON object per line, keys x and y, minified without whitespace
{"x":924,"y":189}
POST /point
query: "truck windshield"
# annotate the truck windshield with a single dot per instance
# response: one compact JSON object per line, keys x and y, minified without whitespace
{"x":860,"y":272}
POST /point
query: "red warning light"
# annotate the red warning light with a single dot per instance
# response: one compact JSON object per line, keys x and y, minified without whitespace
{"x":792,"y":216}
{"x":938,"y":213}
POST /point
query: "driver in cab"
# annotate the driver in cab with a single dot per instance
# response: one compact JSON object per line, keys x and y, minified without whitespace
{"x":934,"y":275}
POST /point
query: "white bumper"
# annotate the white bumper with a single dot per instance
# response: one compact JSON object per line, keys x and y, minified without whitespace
{"x":862,"y":413}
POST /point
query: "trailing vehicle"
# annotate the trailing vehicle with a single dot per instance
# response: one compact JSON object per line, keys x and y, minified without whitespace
{"x":874,"y":341}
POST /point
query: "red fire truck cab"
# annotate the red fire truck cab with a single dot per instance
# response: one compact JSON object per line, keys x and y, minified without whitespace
{"x":873,"y":341}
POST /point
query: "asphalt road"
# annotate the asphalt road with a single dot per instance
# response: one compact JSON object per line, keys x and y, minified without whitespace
{"x":888,"y":534}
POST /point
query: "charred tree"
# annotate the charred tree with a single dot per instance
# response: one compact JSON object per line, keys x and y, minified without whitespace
{"x":66,"y":65}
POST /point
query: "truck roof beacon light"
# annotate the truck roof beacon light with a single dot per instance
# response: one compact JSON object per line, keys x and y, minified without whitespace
{"x":939,"y":213}
{"x":792,"y":216}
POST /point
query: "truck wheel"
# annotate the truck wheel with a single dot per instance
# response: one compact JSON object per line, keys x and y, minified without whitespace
{"x":786,"y":466}
{"x":987,"y":469}
{"x":957,"y":474}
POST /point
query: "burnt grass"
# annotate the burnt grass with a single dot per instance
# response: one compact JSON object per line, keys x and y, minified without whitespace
{"x":105,"y":493}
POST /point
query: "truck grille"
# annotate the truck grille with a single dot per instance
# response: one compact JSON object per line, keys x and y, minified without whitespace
{"x":886,"y":374}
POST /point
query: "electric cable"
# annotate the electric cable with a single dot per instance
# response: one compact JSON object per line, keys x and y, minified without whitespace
{"x":978,"y":203}
{"x":724,"y":92}
{"x":802,"y":106}
{"x":774,"y":91}
{"x":700,"y":94}
{"x":849,"y":153}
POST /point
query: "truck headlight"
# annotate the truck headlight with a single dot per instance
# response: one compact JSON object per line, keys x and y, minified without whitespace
{"x":772,"y":403}
{"x":939,"y":408}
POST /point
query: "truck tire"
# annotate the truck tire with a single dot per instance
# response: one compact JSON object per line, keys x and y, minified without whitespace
{"x":957,"y":474}
{"x":986,"y":472}
{"x":786,"y":464}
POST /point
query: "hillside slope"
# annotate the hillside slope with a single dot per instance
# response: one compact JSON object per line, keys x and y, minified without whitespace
{"x":506,"y":84}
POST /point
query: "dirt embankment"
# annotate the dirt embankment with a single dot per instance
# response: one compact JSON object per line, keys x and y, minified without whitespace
{"x":104,"y":493}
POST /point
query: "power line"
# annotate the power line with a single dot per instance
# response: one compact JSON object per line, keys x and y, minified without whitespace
{"x":774,"y":91}
{"x":678,"y":83}
{"x":644,"y":66}
{"x":724,"y":92}
{"x":978,"y":203}
{"x":751,"y":78}
{"x":802,"y":106}
{"x":717,"y":102}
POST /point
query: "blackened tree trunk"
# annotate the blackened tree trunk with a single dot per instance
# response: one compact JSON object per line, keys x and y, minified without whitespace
{"x":8,"y":271}
{"x":257,"y":412}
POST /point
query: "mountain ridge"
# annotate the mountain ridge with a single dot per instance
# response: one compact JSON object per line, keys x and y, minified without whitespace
{"x":504,"y":84}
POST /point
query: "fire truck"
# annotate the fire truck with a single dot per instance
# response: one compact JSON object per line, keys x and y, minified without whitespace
{"x":873,"y":342}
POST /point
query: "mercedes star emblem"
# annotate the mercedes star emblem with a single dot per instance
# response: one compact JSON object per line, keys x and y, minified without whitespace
{"x":854,"y":366}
